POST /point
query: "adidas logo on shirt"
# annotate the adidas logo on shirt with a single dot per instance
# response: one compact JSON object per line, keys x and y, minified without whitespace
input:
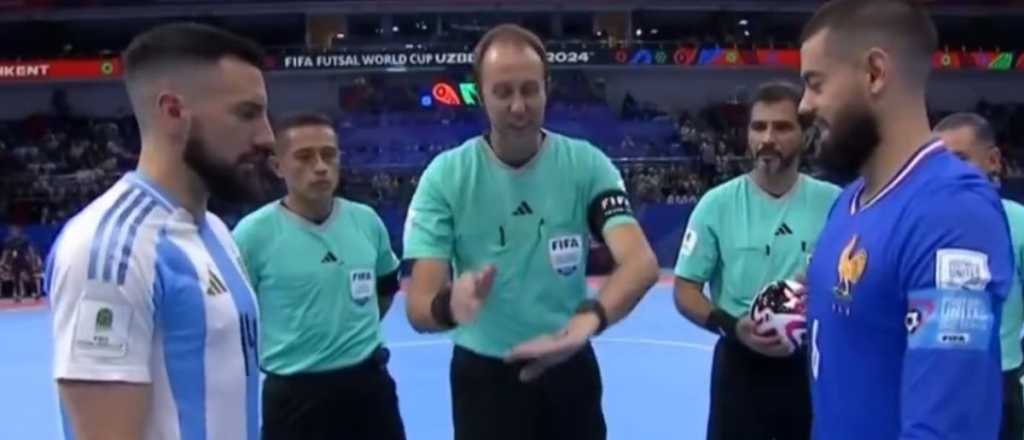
{"x":329,"y":258}
{"x":216,"y":286}
{"x":784,"y":230}
{"x":523,"y":209}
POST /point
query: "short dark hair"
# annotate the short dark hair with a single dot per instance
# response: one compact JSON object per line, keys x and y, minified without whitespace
{"x":186,"y":41}
{"x":778,"y":91}
{"x":983,"y":130}
{"x":507,"y":32}
{"x":902,"y":22}
{"x":304,"y":119}
{"x":775,"y":91}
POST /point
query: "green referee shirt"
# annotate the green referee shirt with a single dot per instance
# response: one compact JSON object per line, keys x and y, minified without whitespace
{"x":1013,"y":308}
{"x":316,"y":284}
{"x":531,"y":223}
{"x":740,"y":238}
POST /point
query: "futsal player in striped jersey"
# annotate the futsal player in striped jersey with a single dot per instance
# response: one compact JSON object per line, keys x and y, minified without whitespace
{"x":324,"y":274}
{"x":971,"y":137}
{"x":154,"y":321}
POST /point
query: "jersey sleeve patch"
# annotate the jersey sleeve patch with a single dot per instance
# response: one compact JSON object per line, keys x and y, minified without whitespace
{"x":101,"y":329}
{"x":949,"y":320}
{"x":957,"y":269}
{"x":689,"y":242}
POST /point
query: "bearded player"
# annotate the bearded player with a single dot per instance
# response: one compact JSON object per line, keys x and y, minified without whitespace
{"x":154,"y":322}
{"x":908,"y":280}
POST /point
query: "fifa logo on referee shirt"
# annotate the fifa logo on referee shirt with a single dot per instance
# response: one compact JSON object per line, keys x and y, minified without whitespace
{"x":566,"y":253}
{"x":852,"y":262}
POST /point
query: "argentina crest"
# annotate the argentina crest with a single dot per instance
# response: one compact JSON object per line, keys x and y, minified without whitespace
{"x":566,"y":253}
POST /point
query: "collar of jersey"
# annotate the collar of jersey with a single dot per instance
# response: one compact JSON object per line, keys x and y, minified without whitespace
{"x":771,"y":197}
{"x":148,"y":185}
{"x":544,"y":145}
{"x":304,"y":222}
{"x":909,"y":166}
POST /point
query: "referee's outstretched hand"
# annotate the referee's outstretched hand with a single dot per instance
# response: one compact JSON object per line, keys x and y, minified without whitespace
{"x":469,"y":292}
{"x":546,"y":351}
{"x":771,"y":345}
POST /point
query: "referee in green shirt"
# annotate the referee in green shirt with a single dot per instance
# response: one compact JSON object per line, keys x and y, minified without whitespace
{"x":513,"y":213}
{"x":752,"y":230}
{"x":970,"y":136}
{"x":324,"y":275}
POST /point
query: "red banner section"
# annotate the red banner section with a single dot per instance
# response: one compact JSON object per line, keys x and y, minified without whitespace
{"x":54,"y":70}
{"x":972,"y":60}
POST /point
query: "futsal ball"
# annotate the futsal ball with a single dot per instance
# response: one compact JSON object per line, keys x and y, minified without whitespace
{"x":781,"y":308}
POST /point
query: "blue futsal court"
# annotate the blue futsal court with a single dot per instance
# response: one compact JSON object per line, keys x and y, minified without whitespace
{"x":655,"y":367}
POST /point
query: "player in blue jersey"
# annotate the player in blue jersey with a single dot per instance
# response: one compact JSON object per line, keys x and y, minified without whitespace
{"x":971,"y":137}
{"x":908,"y":279}
{"x":154,"y":321}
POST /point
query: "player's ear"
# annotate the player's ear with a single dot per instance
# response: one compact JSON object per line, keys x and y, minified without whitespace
{"x":172,"y":113}
{"x":878,"y":67}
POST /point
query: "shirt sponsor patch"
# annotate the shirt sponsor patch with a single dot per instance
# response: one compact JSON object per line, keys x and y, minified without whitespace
{"x":101,"y":329}
{"x":957,"y":269}
{"x":689,"y":242}
{"x":949,"y":320}
{"x":566,"y":253}
{"x":362,"y":284}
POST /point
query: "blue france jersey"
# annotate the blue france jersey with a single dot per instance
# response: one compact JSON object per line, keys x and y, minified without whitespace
{"x":905,"y":293}
{"x":143,"y":293}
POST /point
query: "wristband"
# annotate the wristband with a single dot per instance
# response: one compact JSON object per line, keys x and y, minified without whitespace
{"x":595,"y":306}
{"x":722,"y":323}
{"x":441,"y":308}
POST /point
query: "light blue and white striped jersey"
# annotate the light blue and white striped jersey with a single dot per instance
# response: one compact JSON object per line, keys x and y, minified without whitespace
{"x":142,"y":292}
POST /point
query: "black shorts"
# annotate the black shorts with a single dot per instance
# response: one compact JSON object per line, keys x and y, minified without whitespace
{"x":490,"y":403}
{"x":754,"y":397}
{"x":353,"y":403}
{"x":1012,"y":427}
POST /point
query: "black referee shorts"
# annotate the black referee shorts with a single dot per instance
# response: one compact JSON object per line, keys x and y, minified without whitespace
{"x":754,"y":397}
{"x":490,"y":403}
{"x":1012,"y":427}
{"x":352,"y":403}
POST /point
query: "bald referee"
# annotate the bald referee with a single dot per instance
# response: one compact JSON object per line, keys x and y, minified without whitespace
{"x":513,"y":213}
{"x":750,"y":231}
{"x":324,"y":275}
{"x":971,"y":137}
{"x":154,"y":322}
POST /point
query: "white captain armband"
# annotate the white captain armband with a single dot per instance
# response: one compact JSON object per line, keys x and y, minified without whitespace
{"x":606,"y":205}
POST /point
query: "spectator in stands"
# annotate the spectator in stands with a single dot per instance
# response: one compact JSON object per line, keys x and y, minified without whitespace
{"x":20,"y":266}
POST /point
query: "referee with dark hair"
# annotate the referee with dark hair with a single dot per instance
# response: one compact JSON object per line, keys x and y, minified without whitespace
{"x":971,"y":137}
{"x":324,"y":275}
{"x":513,"y":213}
{"x":748,"y":232}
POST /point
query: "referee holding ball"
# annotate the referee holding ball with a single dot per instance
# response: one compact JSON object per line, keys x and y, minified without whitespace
{"x":324,"y":275}
{"x":750,"y":231}
{"x":512,"y":212}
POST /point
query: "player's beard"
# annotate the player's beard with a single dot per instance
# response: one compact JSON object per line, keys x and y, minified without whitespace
{"x":229,"y":182}
{"x":849,"y":142}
